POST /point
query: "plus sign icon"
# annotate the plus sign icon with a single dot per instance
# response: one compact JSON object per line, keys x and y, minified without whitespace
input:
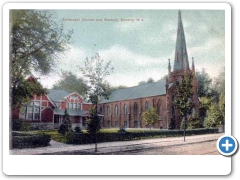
{"x":227,"y":145}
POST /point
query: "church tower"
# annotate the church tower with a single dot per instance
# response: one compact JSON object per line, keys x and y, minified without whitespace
{"x":180,"y":68}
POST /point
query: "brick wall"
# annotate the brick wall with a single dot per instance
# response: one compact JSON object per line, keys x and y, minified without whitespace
{"x":118,"y":117}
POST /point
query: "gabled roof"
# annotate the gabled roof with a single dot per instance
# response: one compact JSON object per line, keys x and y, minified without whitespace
{"x":144,"y":90}
{"x":60,"y":95}
{"x":57,"y":95}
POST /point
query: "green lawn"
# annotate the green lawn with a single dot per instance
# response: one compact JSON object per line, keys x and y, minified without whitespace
{"x":53,"y":133}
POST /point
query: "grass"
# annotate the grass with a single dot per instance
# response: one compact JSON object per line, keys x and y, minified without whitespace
{"x":53,"y":133}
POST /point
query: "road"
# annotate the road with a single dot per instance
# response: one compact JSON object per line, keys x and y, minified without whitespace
{"x":194,"y":145}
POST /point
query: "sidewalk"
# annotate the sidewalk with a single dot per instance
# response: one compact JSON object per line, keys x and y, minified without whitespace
{"x":56,"y":148}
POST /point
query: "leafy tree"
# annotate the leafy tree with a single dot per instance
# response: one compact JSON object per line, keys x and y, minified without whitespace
{"x":93,"y":121}
{"x":36,"y":40}
{"x":71,"y":83}
{"x":204,"y":84}
{"x":183,"y":100}
{"x":222,"y":108}
{"x":205,"y":103}
{"x":117,"y":87}
{"x":219,"y":86}
{"x":214,"y":116}
{"x":24,"y":90}
{"x":150,"y":80}
{"x":96,"y":72}
{"x":194,"y":122}
{"x":150,"y":117}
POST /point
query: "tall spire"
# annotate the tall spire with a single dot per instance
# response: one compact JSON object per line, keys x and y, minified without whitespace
{"x":181,"y":56}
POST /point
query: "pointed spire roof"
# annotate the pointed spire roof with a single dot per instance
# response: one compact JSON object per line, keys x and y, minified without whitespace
{"x":181,"y":56}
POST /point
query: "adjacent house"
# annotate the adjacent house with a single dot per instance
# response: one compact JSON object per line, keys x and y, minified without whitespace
{"x":46,"y":111}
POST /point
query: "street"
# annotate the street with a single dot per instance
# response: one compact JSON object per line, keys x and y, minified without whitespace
{"x":194,"y":145}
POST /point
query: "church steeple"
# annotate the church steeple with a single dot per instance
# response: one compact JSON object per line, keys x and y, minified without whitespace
{"x":181,"y":56}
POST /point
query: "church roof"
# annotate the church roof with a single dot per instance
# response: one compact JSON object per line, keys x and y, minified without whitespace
{"x":141,"y":91}
{"x":181,"y":55}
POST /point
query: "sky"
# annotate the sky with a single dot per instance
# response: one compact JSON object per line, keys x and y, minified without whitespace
{"x":139,"y":42}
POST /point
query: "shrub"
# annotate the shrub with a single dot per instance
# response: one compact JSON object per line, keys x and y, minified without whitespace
{"x":77,"y":129}
{"x":62,"y":129}
{"x":24,"y":140}
{"x":20,"y":125}
{"x":122,"y":130}
{"x":73,"y":138}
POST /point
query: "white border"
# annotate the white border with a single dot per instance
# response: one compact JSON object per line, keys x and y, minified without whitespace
{"x":114,"y":165}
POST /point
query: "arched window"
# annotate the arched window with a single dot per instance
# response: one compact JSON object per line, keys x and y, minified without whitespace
{"x":159,"y":107}
{"x":116,"y":110}
{"x":125,"y":109}
{"x":135,"y":108}
{"x":108,"y":111}
{"x":101,"y":110}
{"x":147,"y":105}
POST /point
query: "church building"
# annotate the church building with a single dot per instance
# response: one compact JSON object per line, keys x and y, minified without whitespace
{"x":125,"y":107}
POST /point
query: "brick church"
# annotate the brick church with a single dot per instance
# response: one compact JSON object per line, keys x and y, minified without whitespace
{"x":125,"y":107}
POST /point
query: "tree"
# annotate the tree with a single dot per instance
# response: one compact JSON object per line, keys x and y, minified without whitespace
{"x":71,"y":83}
{"x":96,"y":72}
{"x":171,"y":124}
{"x":150,"y":80}
{"x":219,"y":86}
{"x":183,"y":101}
{"x":66,"y":125}
{"x":150,"y":117}
{"x":36,"y":40}
{"x":117,"y":87}
{"x":204,"y":84}
{"x":214,"y":116}
{"x":194,"y":122}
{"x":205,"y":103}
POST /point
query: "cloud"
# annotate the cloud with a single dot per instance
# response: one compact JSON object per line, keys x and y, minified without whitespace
{"x":131,"y":68}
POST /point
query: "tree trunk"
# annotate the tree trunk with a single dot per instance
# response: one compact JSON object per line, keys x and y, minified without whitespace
{"x":184,"y":132}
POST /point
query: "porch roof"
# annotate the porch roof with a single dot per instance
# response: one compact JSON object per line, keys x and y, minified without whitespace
{"x":71,"y":112}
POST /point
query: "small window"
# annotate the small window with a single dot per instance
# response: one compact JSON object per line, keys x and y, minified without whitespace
{"x":135,"y":107}
{"x":57,"y":104}
{"x":116,"y":110}
{"x":108,"y":111}
{"x":135,"y":124}
{"x":74,"y":106}
{"x":125,"y":109}
{"x":78,"y":106}
{"x":116,"y":124}
{"x":101,"y":110}
{"x":147,"y":105}
{"x":70,"y":106}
